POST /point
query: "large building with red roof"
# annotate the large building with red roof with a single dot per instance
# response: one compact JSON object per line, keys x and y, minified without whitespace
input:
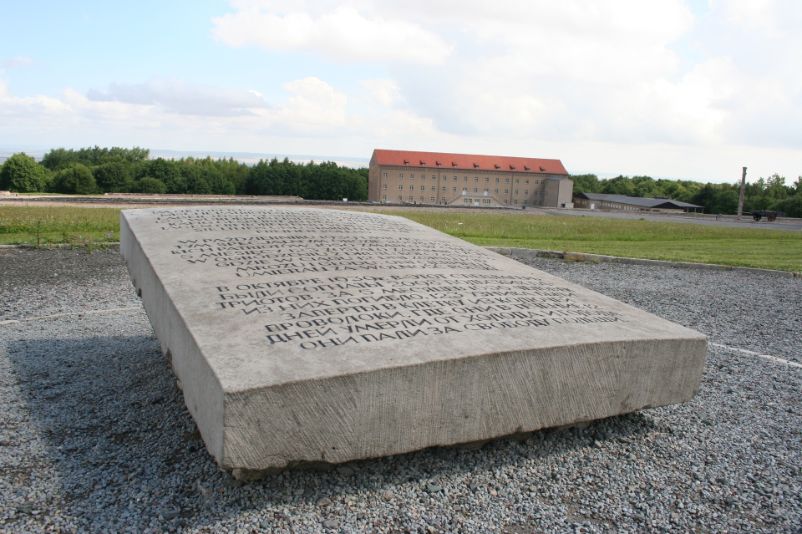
{"x":438,"y":178}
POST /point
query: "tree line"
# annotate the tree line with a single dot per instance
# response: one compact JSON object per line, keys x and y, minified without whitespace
{"x":770,"y":193}
{"x":129,"y":170}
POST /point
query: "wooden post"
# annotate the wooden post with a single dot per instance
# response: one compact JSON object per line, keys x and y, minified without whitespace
{"x":741,"y":195}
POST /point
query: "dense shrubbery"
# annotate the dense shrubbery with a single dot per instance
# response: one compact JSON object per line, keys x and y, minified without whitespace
{"x":119,"y":170}
{"x":764,"y":194}
{"x":22,"y":174}
{"x":76,"y":179}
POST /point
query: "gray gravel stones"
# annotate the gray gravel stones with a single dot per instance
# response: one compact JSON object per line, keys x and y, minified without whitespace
{"x":757,"y":311}
{"x":94,"y":435}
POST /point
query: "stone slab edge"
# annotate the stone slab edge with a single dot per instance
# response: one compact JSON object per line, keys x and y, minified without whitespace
{"x":203,"y":393}
{"x":515,"y":252}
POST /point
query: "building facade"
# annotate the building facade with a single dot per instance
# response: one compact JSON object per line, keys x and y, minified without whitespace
{"x":436,"y":178}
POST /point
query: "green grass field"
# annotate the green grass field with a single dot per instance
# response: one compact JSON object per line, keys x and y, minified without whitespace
{"x":769,"y":249}
{"x":746,"y":247}
{"x":45,"y":225}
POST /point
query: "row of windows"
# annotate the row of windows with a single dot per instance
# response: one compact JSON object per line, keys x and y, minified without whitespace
{"x":411,"y":198}
{"x":464,"y":189}
{"x":464,"y":178}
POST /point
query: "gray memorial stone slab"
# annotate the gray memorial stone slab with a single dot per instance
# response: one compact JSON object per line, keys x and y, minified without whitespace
{"x":310,"y":335}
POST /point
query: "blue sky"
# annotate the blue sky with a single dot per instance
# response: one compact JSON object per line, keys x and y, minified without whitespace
{"x":670,"y":88}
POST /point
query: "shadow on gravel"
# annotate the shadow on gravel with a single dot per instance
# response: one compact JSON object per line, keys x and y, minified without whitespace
{"x":126,"y":451}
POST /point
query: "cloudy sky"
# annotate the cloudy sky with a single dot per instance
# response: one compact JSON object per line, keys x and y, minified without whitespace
{"x":690,"y":89}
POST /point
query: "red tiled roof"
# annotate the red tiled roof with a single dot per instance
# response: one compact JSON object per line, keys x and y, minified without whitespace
{"x":413,"y":159}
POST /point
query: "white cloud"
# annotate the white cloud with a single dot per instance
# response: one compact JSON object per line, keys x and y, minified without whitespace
{"x":179,"y":97}
{"x":617,"y":86}
{"x":384,"y":91}
{"x":16,"y":62}
{"x":342,"y":33}
{"x":313,"y":107}
{"x":621,"y":71}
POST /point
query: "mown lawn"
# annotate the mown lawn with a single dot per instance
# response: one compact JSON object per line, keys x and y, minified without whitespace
{"x":769,"y":249}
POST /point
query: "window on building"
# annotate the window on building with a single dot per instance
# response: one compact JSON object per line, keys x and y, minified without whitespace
{"x":434,"y":177}
{"x":455,"y":189}
{"x":455,"y":178}
{"x":517,"y":181}
{"x":527,"y":181}
{"x":464,"y":178}
{"x":386,"y":175}
{"x":487,"y":178}
{"x":464,"y":189}
{"x":497,"y":180}
{"x":400,"y":186}
{"x":475,"y":178}
{"x":516,"y":192}
{"x":526,"y":192}
{"x":506,"y":191}
{"x":431,"y":199}
{"x":443,"y":188}
{"x":423,"y":188}
{"x":411,"y":187}
{"x":401,"y":175}
{"x":497,"y":190}
{"x":506,"y":180}
{"x":475,"y":189}
{"x":384,"y":185}
{"x":434,"y":188}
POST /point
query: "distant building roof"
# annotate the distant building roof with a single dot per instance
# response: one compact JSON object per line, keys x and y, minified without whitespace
{"x":469,"y":162}
{"x":641,"y":202}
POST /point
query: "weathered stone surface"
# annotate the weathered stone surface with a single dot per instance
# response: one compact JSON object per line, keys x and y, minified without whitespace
{"x":308,"y":335}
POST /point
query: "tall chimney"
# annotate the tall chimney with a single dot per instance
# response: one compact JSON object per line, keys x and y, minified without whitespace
{"x":741,"y":195}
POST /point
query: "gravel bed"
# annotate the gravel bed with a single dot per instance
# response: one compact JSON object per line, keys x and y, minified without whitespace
{"x":94,"y":435}
{"x":757,"y":311}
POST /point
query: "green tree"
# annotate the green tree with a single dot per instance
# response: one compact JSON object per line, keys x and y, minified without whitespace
{"x":717,"y":198}
{"x":114,"y":177}
{"x":168,"y":171}
{"x":620,"y":185}
{"x":791,"y":206}
{"x":645,"y":186}
{"x":776,"y":188}
{"x":76,"y":179}
{"x":22,"y":174}
{"x":60,"y":158}
{"x":151,"y":185}
{"x":586,"y":183}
